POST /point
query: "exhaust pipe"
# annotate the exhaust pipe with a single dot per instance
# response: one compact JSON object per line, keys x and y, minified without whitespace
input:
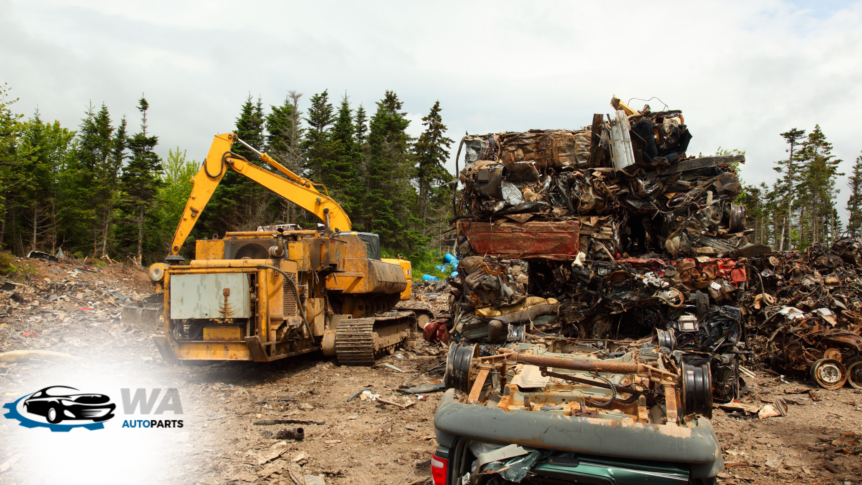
{"x":297,"y":434}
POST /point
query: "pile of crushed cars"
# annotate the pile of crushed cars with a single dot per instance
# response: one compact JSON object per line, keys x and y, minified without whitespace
{"x":614,"y":233}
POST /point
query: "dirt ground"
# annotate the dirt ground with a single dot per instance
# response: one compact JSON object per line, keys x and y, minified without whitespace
{"x":72,"y":309}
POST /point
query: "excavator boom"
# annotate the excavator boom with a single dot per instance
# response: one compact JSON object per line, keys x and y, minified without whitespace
{"x":292,"y":187}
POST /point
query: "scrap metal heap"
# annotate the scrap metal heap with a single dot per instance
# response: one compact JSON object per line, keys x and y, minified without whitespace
{"x":614,"y":232}
{"x":805,"y":313}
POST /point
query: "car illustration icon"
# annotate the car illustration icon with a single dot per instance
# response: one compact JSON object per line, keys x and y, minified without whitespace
{"x":57,"y":404}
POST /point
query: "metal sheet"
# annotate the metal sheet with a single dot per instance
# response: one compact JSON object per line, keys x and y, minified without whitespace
{"x":548,"y":240}
{"x":702,"y":163}
{"x":621,"y":142}
{"x":203,"y":296}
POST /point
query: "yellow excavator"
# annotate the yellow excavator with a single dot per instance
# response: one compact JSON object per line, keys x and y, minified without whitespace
{"x":279,"y":291}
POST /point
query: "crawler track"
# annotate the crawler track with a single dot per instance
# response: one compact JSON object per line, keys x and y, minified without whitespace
{"x":359,"y":341}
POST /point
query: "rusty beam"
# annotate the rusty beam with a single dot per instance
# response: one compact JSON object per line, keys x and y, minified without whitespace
{"x":670,"y":401}
{"x":476,"y":390}
{"x":577,"y":364}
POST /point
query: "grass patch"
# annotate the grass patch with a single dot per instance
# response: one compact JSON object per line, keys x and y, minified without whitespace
{"x":6,"y":266}
{"x":9,"y":270}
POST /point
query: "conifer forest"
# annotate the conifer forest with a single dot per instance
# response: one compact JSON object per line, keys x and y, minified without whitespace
{"x":100,"y":190}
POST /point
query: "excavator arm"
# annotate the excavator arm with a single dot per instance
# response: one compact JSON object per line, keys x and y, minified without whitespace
{"x":292,"y":187}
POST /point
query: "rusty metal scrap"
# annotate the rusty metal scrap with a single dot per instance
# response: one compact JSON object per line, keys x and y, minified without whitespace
{"x":581,"y":380}
{"x":805,"y":311}
{"x":615,"y":232}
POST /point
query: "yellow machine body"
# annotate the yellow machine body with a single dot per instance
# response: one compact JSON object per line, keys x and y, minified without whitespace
{"x":265,"y":295}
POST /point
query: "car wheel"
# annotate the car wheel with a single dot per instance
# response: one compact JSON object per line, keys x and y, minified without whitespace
{"x":54,"y":416}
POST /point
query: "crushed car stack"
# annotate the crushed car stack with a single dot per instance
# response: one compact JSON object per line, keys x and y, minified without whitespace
{"x":614,"y":232}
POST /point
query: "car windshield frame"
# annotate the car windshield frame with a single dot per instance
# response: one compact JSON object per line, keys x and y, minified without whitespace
{"x":47,"y":392}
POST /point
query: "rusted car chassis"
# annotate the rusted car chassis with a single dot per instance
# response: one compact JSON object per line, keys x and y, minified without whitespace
{"x":636,"y":405}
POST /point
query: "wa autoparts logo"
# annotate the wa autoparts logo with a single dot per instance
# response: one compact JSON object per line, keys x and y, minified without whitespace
{"x":170,"y":402}
{"x":63,"y":408}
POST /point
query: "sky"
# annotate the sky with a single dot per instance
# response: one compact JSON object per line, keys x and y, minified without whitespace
{"x":742,"y":72}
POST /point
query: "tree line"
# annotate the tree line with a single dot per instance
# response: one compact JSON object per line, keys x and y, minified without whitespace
{"x":103,"y":192}
{"x":800,"y":208}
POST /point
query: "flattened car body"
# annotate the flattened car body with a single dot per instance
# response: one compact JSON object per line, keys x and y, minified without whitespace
{"x":613,"y":412}
{"x":695,"y":446}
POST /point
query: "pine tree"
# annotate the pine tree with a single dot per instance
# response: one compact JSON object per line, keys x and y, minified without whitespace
{"x":854,"y":203}
{"x":47,"y":146}
{"x":432,"y":151}
{"x":139,"y":184}
{"x":174,"y":190}
{"x":767,"y":207}
{"x":96,"y":169}
{"x":390,"y":197}
{"x":282,"y":138}
{"x":361,"y":124}
{"x":788,"y":183}
{"x":317,"y":147}
{"x":13,"y":180}
{"x":10,"y":127}
{"x":816,"y":190}
{"x":341,"y":174}
{"x":24,"y":201}
{"x":284,"y":143}
{"x":239,"y":203}
{"x":250,"y":129}
{"x":380,"y":215}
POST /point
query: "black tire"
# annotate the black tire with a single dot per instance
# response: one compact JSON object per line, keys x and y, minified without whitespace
{"x":54,"y":415}
{"x":697,"y":390}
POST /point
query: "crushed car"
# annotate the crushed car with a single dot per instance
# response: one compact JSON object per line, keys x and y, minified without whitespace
{"x":561,"y":411}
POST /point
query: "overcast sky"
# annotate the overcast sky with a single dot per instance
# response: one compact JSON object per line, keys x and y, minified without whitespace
{"x":742,"y":72}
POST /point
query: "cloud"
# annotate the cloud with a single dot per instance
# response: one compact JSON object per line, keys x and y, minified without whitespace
{"x":742,"y":72}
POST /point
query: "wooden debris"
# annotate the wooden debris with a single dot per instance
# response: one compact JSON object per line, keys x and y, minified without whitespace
{"x":16,"y":355}
{"x":270,"y":422}
{"x":402,"y":406}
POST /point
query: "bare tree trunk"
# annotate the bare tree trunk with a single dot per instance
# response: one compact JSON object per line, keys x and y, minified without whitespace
{"x":801,"y":226}
{"x":96,"y":226}
{"x":293,"y":156}
{"x":105,"y":236}
{"x":53,"y":229}
{"x":783,"y":229}
{"x":141,"y":235}
{"x":423,"y":197}
{"x":3,"y":223}
{"x":789,"y":219}
{"x":35,"y":223}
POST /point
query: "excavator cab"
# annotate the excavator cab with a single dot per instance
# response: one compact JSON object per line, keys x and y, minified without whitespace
{"x":372,"y":243}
